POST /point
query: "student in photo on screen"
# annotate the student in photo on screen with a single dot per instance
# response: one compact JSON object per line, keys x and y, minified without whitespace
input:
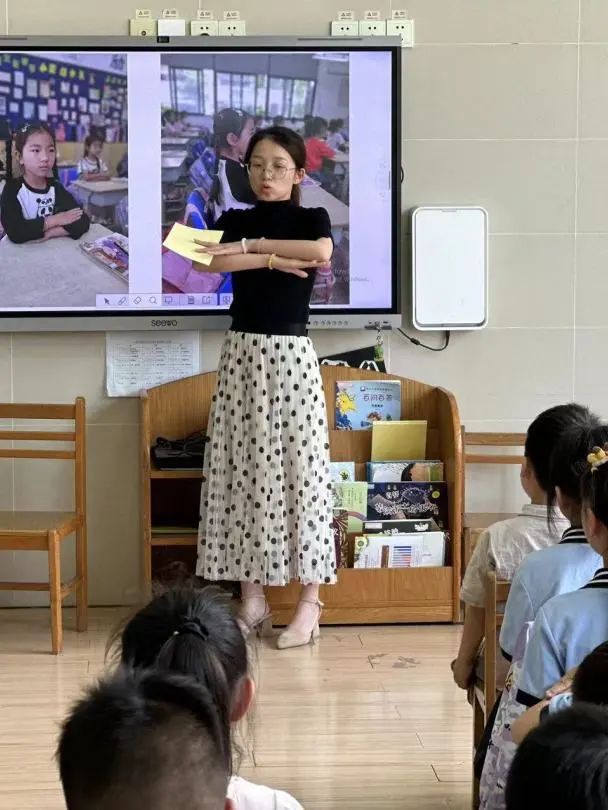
{"x":232,"y":131}
{"x":36,"y":206}
{"x":317,"y":149}
{"x":92,"y":166}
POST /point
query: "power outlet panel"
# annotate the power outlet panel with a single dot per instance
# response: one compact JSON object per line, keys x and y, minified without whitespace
{"x":142,"y":28}
{"x":232,"y":28}
{"x":345,"y":28}
{"x":204,"y":28}
{"x":372,"y":28}
{"x":403,"y":29}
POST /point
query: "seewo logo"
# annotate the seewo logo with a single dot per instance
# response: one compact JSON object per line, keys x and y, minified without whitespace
{"x":163,"y":324}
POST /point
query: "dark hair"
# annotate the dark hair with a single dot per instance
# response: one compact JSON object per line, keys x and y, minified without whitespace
{"x":563,"y":763}
{"x":226,"y":122}
{"x":137,"y":738}
{"x":318,"y":126}
{"x":192,"y":632}
{"x":336,"y":124}
{"x":21,"y":135}
{"x":278,"y":120}
{"x":590,"y":683}
{"x":546,"y":431}
{"x":291,"y":142}
{"x":90,"y":140}
{"x":569,"y":458}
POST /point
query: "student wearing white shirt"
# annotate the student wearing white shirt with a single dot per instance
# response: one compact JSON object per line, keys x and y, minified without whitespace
{"x":195,"y":633}
{"x":92,"y":166}
{"x":571,"y":625}
{"x":569,"y":564}
{"x":504,"y":545}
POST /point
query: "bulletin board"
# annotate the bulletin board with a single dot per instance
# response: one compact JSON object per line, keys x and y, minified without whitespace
{"x":70,"y":98}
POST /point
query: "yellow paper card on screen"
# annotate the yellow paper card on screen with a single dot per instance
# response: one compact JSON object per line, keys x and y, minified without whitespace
{"x":181,"y":240}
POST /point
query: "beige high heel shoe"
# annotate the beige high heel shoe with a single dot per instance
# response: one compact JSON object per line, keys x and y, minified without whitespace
{"x":261,"y":626}
{"x":291,"y":638}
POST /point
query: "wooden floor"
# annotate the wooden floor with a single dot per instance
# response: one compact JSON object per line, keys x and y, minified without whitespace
{"x":368,"y":719}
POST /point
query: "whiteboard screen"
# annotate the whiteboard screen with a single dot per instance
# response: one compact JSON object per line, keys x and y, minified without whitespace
{"x":449,"y":268}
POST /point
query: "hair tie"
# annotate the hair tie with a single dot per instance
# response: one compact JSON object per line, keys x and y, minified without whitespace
{"x":193,"y":626}
{"x":597,"y":457}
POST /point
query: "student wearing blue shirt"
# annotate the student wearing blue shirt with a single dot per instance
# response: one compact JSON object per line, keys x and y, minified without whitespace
{"x":569,"y":626}
{"x":572,"y":562}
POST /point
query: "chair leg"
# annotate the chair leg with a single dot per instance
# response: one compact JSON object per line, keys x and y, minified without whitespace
{"x":55,"y":593}
{"x":82,"y":596}
{"x":478,"y":727}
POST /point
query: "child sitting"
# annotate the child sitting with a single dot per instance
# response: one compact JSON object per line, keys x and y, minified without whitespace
{"x":149,"y":740}
{"x":232,"y":131}
{"x":589,"y":685}
{"x":563,"y":764}
{"x":567,"y":565}
{"x":195,"y":633}
{"x":317,"y":150}
{"x":504,"y":545}
{"x":92,"y":166}
{"x":36,"y":207}
{"x":569,"y":626}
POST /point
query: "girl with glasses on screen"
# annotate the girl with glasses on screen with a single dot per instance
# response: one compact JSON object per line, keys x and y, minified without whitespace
{"x":266,"y":503}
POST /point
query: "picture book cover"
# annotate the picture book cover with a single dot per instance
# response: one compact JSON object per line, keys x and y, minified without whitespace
{"x":400,"y":551}
{"x":394,"y":441}
{"x":399,"y":526}
{"x":362,"y":403}
{"x":340,"y":525}
{"x":112,"y":252}
{"x":389,"y":472}
{"x":352,"y":496}
{"x":342,"y":471}
{"x":408,"y":500}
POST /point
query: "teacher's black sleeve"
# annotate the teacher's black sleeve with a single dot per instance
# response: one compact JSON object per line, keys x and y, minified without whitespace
{"x":319,"y":224}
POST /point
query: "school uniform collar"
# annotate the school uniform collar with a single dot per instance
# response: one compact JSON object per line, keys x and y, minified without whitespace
{"x":534,"y":510}
{"x":573,"y":534}
{"x":600,"y":579}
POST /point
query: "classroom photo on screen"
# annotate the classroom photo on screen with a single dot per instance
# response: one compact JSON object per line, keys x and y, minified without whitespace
{"x":211,"y":106}
{"x":64,"y":224}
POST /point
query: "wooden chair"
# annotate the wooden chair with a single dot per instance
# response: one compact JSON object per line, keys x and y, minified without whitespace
{"x":485,"y":693}
{"x":474,"y":523}
{"x":44,"y":531}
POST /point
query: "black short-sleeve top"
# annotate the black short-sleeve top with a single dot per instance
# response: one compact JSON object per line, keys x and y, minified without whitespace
{"x":271,"y":296}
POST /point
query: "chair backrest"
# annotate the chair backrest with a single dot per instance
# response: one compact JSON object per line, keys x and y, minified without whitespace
{"x":497,"y":593}
{"x":76,"y":437}
{"x":492,"y":440}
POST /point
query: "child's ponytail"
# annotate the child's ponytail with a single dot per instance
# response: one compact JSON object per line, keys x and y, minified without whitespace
{"x":594,"y":482}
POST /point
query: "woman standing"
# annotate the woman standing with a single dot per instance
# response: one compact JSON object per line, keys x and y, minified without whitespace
{"x":266,"y":507}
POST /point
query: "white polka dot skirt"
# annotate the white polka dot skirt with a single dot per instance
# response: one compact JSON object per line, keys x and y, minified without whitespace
{"x":266,"y":506}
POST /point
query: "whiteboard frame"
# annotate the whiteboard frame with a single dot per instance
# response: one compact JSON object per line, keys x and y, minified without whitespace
{"x":449,"y":326}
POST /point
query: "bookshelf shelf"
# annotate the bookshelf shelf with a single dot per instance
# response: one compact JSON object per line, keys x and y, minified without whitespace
{"x":367,"y":596}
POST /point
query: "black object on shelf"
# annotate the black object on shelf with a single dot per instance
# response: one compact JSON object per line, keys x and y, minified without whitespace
{"x":180,"y":454}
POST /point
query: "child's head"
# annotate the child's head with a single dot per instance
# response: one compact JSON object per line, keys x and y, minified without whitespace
{"x":93,"y":146}
{"x":193,"y":632}
{"x":36,"y":150}
{"x":543,"y":435}
{"x":336,"y":125}
{"x":318,"y":128}
{"x":275,"y":159}
{"x":569,"y":463}
{"x":590,"y":683}
{"x":153,"y":740}
{"x":563,"y":763}
{"x":278,"y":121}
{"x":594,"y":495}
{"x":232,"y":131}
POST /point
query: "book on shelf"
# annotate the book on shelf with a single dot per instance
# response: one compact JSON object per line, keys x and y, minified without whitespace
{"x":399,"y":526}
{"x":387,"y":472}
{"x":361,"y":404}
{"x":352,"y":497}
{"x":408,"y":500}
{"x":180,"y":530}
{"x":340,"y":526}
{"x":393,"y":441}
{"x":426,"y":550}
{"x":342,"y":471}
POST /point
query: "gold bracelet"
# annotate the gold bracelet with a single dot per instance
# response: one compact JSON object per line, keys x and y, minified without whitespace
{"x":271,"y":259}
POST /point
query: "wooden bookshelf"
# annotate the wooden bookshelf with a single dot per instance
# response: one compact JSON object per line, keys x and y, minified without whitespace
{"x":367,"y":596}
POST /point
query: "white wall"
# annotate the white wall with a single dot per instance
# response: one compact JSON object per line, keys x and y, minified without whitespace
{"x":504,"y":107}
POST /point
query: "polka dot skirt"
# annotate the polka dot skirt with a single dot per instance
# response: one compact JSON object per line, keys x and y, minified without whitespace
{"x":266,"y":505}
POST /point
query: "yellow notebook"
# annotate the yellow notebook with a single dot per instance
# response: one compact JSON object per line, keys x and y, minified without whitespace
{"x":395,"y":441}
{"x":180,"y":240}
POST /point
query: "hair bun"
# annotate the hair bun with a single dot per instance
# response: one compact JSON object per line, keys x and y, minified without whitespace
{"x":194,"y":626}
